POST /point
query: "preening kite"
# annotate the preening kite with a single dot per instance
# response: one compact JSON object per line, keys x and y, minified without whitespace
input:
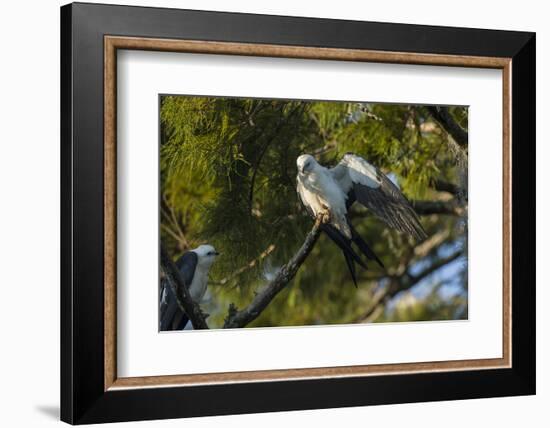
{"x":331,"y":192}
{"x":194,"y":267}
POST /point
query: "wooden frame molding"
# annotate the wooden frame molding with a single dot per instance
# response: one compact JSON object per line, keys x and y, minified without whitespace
{"x":113,"y":43}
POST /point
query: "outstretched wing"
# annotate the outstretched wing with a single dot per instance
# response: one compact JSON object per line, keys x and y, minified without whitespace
{"x":171,"y":316}
{"x":366,"y":184}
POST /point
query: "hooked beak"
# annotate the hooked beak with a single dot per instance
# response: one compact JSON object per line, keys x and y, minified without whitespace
{"x":216,"y":253}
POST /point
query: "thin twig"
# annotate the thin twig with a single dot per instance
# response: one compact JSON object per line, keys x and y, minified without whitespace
{"x":450,"y":207}
{"x":168,"y":211}
{"x":173,"y":234}
{"x":326,"y":148}
{"x":247,"y":266}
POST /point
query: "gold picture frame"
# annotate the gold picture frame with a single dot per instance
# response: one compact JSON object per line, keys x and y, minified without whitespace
{"x":114,"y":43}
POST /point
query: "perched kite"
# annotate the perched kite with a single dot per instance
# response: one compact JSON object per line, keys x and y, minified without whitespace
{"x":331,"y":192}
{"x":193,"y":266}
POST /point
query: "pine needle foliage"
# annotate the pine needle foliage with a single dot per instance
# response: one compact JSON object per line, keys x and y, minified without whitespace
{"x":228,"y":168}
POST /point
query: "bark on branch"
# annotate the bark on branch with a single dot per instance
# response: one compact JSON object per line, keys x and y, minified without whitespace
{"x":180,"y":290}
{"x":448,"y":123}
{"x":237,"y":319}
{"x":445,"y":186}
{"x":422,"y":250}
{"x":451,"y":207}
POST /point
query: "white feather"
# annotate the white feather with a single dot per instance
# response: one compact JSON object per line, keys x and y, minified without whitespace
{"x":360,"y":171}
{"x":321,"y":193}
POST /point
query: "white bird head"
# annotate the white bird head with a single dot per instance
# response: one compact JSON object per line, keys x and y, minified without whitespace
{"x":306,"y":164}
{"x":206,"y":254}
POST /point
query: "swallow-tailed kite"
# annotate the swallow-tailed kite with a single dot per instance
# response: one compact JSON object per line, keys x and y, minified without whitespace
{"x":193,"y":266}
{"x":331,"y":192}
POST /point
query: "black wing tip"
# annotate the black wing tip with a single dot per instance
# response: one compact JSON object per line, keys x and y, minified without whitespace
{"x":349,"y":254}
{"x":351,"y":267}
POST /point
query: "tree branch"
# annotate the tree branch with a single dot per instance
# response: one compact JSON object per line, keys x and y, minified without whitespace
{"x":447,"y":122}
{"x":451,"y":207}
{"x":430,"y":244}
{"x":326,"y":148}
{"x":402,"y":283}
{"x":180,"y":290}
{"x":236,"y":319}
{"x":446,"y":186}
{"x":438,"y":264}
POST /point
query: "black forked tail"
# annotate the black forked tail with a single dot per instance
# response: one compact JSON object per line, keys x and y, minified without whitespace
{"x":349,"y":253}
{"x":363,"y":246}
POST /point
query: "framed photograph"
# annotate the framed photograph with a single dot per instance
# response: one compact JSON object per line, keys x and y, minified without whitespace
{"x":266,"y":213}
